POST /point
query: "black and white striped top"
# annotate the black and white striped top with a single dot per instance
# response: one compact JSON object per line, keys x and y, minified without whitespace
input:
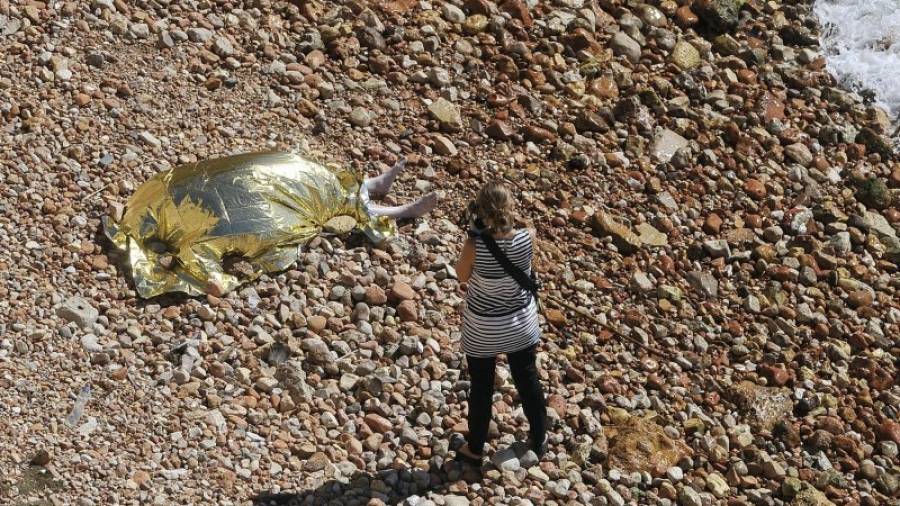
{"x":500,"y":315}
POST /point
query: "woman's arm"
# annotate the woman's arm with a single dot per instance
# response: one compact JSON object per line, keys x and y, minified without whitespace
{"x":466,"y":261}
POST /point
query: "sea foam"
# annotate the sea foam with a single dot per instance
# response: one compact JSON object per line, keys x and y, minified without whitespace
{"x":861,"y":39}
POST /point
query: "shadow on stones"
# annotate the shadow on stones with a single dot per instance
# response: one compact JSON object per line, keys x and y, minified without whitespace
{"x":35,"y":485}
{"x":392,"y":487}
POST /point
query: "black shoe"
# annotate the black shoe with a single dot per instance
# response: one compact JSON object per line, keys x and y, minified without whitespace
{"x":467,"y":459}
{"x":538,"y":449}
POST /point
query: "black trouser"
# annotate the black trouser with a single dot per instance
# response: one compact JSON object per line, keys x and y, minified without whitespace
{"x":523,"y":366}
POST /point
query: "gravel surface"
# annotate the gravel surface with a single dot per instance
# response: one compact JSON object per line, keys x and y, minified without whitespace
{"x":718,"y":235}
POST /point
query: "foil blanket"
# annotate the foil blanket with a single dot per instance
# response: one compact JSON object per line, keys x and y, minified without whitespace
{"x":182,"y":224}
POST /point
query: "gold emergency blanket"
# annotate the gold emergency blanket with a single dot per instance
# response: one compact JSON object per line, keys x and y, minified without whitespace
{"x":180,"y":225}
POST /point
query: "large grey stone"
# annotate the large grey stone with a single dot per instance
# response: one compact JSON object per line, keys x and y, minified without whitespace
{"x":453,"y":14}
{"x":885,"y":233}
{"x":222,"y":47}
{"x":623,"y":45}
{"x":139,"y":30}
{"x":200,"y":35}
{"x":89,"y":343}
{"x":506,"y":460}
{"x":665,"y":144}
{"x":446,"y":113}
{"x":799,"y":153}
{"x":78,"y":310}
{"x":641,"y":283}
{"x":704,"y":283}
{"x":689,"y":497}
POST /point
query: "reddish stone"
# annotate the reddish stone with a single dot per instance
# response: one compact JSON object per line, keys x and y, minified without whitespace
{"x":655,"y":382}
{"x":604,"y":87}
{"x":375,"y":296}
{"x":666,"y":264}
{"x":536,"y":77}
{"x":776,"y":375}
{"x":770,"y":107}
{"x":557,"y":403}
{"x":685,"y":17}
{"x":830,"y":424}
{"x":633,"y":317}
{"x":734,"y":328}
{"x":378,"y":423}
{"x":601,"y":283}
{"x":499,"y":130}
{"x":555,"y":317}
{"x":892,"y":215}
{"x":518,"y":10}
{"x":713,"y":224}
{"x":808,"y":260}
{"x":860,"y":298}
{"x":889,"y":430}
{"x":574,"y":375}
{"x":400,"y":292}
{"x":140,"y":478}
{"x":580,"y":216}
{"x":753,"y":221}
{"x":316,"y":323}
{"x":314,"y":59}
{"x":846,"y":443}
{"x":755,"y":188}
{"x":856,"y":151}
{"x":858,"y":340}
{"x":581,"y":39}
{"x":408,"y":311}
{"x":610,"y":385}
{"x":538,"y":135}
{"x":99,"y":262}
{"x":788,"y":432}
{"x":783,"y":273}
{"x":746,"y":76}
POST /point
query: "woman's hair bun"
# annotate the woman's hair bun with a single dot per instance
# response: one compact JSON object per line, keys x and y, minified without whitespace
{"x":496,"y":207}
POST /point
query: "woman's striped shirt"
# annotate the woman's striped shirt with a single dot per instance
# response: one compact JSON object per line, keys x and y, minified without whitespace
{"x":500,"y":316}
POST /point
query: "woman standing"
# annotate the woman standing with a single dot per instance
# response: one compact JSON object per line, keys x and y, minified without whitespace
{"x":500,"y":317}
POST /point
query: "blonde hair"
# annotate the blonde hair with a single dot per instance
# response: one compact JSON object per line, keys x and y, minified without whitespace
{"x":496,"y":208}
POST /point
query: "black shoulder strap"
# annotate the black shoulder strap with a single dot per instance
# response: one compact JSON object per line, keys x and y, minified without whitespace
{"x":524,"y":280}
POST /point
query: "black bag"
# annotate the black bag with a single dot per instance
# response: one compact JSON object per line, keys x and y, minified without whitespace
{"x":529,"y":283}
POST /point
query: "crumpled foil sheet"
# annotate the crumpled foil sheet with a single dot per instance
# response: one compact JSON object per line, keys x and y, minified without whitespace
{"x":180,"y":225}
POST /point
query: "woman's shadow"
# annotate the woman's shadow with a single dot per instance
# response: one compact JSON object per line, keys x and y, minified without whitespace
{"x":390,"y":486}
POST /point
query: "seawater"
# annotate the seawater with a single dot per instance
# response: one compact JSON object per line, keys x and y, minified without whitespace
{"x":861,"y":40}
